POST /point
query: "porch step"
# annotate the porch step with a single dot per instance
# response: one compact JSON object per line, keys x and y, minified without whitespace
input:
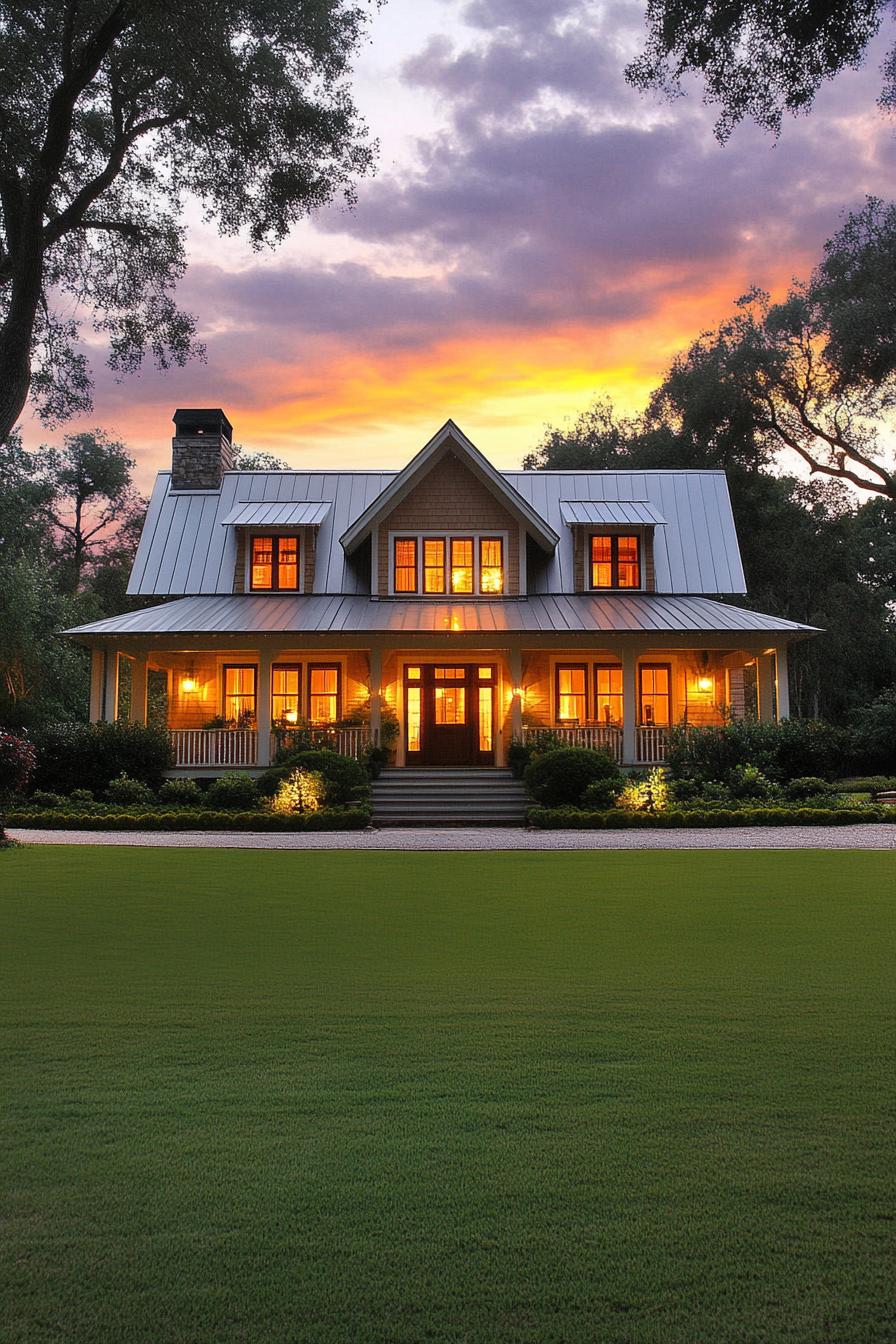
{"x":448,"y":798}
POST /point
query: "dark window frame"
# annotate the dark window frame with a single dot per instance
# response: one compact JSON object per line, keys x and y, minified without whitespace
{"x":276,"y":538}
{"x":239,"y":667}
{"x":653,"y":667}
{"x":326,"y":667}
{"x":289,"y":667}
{"x":405,"y":541}
{"x":452,"y":542}
{"x":425,"y":568}
{"x":566,"y":667}
{"x":614,"y":538}
{"x":603,"y":667}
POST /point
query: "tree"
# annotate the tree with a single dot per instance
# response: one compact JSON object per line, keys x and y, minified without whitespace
{"x":257,"y":461}
{"x":757,"y":60}
{"x":111,"y":112}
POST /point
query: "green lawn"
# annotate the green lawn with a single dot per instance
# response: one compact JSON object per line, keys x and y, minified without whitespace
{"x":577,"y":1098}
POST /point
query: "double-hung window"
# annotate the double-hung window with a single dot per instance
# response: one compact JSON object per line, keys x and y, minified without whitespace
{"x":286,"y":693}
{"x":462,"y":565}
{"x":239,"y":695}
{"x":275,"y":564}
{"x":324,"y":693}
{"x":615,"y":561}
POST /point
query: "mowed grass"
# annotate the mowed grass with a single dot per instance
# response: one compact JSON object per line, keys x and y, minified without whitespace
{"x":268,"y":1096}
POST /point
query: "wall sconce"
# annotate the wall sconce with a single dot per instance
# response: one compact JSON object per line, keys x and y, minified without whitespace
{"x":704,"y":684}
{"x":518,"y":691}
{"x":188,"y":684}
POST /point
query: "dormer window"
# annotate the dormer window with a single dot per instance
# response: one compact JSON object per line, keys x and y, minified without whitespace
{"x":615,"y":561}
{"x":275,"y":564}
{"x":491,"y":565}
{"x":465,"y":566}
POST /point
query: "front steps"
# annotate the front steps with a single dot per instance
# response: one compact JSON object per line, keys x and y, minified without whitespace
{"x":448,"y":798}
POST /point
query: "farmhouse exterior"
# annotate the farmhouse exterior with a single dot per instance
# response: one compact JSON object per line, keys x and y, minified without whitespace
{"x":471,"y":605}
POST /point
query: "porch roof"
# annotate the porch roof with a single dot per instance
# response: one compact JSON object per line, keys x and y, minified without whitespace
{"x":320,"y":614}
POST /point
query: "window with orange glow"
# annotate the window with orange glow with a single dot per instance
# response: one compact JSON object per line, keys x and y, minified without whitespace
{"x":655,"y":694}
{"x":451,"y":706}
{"x":571,"y":693}
{"x":275,"y":564}
{"x":449,"y":673}
{"x":239,"y":695}
{"x":461,"y":564}
{"x":413,"y":718}
{"x":286,"y":693}
{"x":608,"y":693}
{"x":405,"y":565}
{"x":485,"y":718}
{"x":615,"y":562}
{"x":433,"y":564}
{"x":491,"y":565}
{"x":324,"y":693}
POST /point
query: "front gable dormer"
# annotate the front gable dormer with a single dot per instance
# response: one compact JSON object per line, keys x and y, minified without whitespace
{"x":449,"y":525}
{"x":613,"y":544}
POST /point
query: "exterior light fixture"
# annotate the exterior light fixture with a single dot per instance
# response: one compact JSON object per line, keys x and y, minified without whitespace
{"x":704,"y":683}
{"x":188,"y":684}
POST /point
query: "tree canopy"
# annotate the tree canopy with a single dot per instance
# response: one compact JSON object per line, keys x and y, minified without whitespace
{"x":757,"y":60}
{"x":112,"y":112}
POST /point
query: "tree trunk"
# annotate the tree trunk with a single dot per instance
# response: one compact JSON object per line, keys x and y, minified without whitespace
{"x":17,"y":332}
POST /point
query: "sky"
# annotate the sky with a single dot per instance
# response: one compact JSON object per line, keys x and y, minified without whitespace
{"x":536,"y":234}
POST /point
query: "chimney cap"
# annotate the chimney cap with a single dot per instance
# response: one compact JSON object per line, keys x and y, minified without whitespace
{"x":207,"y":420}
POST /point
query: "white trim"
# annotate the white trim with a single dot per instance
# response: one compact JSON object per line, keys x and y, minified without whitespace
{"x":446,"y":534}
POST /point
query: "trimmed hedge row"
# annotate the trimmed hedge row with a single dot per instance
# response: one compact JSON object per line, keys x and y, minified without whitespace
{"x":573,"y":819}
{"x":329,"y":819}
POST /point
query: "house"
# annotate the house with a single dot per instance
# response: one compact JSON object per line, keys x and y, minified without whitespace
{"x":474,"y":606}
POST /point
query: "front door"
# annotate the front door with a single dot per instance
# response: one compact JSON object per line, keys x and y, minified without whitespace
{"x":450,"y":714}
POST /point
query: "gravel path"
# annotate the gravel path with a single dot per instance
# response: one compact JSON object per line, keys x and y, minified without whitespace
{"x":478,"y":838}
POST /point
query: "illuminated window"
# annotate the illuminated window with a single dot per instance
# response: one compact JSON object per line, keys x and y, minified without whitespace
{"x":449,"y":673}
{"x":275,"y":563}
{"x":461,"y":564}
{"x":571,"y":693}
{"x":434,"y":565}
{"x":491,"y":565}
{"x":405,"y":564}
{"x":324,"y":693}
{"x":655,"y":694}
{"x":608,"y":693}
{"x":239,"y":695}
{"x":413,"y":674}
{"x":485,"y":718}
{"x":615,"y":562}
{"x":486,"y":673}
{"x":451,"y":706}
{"x":286,"y":693}
{"x":413,"y":718}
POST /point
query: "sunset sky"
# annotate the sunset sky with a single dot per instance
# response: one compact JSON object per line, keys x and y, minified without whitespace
{"x":536,"y":233}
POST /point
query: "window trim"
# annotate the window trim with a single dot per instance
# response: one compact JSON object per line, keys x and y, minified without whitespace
{"x":565,"y":667}
{"x":326,"y":667}
{"x":415,"y":542}
{"x":614,"y":537}
{"x":241,"y":667}
{"x":654,"y":667}
{"x":447,"y":535}
{"x":276,"y":535}
{"x":604,"y":666}
{"x":290,"y":667}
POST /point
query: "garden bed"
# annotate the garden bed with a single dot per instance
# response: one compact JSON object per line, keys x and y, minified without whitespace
{"x":576,"y":819}
{"x":190,"y":819}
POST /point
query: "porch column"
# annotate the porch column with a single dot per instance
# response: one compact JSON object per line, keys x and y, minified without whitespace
{"x":765,"y":682}
{"x":263,"y":708}
{"x":515,"y":663}
{"x":782,"y":679}
{"x":629,"y":706}
{"x":110,"y":695}
{"x":376,"y":698}
{"x":139,"y":671}
{"x":97,"y":676}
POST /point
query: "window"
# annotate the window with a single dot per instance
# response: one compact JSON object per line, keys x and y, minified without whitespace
{"x":324,"y":693}
{"x":615,"y":562}
{"x":491,"y":565}
{"x":461,"y":564}
{"x":275,"y":564}
{"x":286,"y":693}
{"x":405,"y":564}
{"x":655,"y":694}
{"x":239,"y":695}
{"x":486,"y":734}
{"x":571,"y":693}
{"x":608,"y":693}
{"x":434,"y":565}
{"x":451,"y":706}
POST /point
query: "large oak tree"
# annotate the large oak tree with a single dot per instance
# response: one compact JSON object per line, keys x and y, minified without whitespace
{"x":112,"y":113}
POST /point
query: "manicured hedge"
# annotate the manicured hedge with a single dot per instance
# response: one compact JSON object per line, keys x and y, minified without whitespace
{"x":573,"y":819}
{"x":329,"y":819}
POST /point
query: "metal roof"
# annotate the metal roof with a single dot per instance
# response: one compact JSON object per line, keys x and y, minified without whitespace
{"x":636,"y":512}
{"x":263,"y":514}
{"x":317,"y":614}
{"x":183,"y":550}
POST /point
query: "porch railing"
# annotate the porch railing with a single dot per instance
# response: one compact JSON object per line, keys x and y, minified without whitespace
{"x":347,"y":741}
{"x":651,"y":743}
{"x":197,"y":747}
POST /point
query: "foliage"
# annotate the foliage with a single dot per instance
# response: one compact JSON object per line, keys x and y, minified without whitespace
{"x":561,"y":776}
{"x":577,"y":819}
{"x":91,"y":755}
{"x":757,"y":61}
{"x":375,"y":758}
{"x":537,"y":742}
{"x":874,"y":732}
{"x":601,"y":793}
{"x":126,"y":790}
{"x":83,"y":797}
{"x":237,"y":791}
{"x":301,"y":791}
{"x":780,"y":751}
{"x":748,"y":783}
{"x":345,"y":778}
{"x":355,"y":818}
{"x":866,"y":784}
{"x":806,"y":786}
{"x":650,"y":794}
{"x":18,"y":760}
{"x":183,"y":792}
{"x":116,"y":120}
{"x":41,"y":798}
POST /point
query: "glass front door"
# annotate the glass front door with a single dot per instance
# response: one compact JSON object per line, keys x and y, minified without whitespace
{"x":450,"y":714}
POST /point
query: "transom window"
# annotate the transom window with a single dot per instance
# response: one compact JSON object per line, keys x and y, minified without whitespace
{"x":464,"y":566}
{"x":275,"y":564}
{"x":324,"y":692}
{"x":615,"y":561}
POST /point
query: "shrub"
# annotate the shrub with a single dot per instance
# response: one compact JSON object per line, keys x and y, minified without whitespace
{"x":874,"y":733}
{"x":866,"y":784}
{"x":40,"y":798}
{"x":519,"y":754}
{"x":345,"y":778}
{"x":570,"y":818}
{"x":301,"y":791}
{"x":18,"y":760}
{"x":125,"y":790}
{"x":562,"y":776}
{"x":330,"y":819}
{"x":81,"y":796}
{"x":747,"y":781}
{"x":600,"y":794}
{"x":806,"y":786}
{"x":237,"y":791}
{"x":780,"y":751}
{"x":91,"y":755}
{"x":650,"y":794}
{"x":375,"y":758}
{"x":182,"y":792}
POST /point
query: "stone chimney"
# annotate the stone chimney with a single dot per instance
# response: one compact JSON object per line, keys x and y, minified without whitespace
{"x":201,"y":449}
